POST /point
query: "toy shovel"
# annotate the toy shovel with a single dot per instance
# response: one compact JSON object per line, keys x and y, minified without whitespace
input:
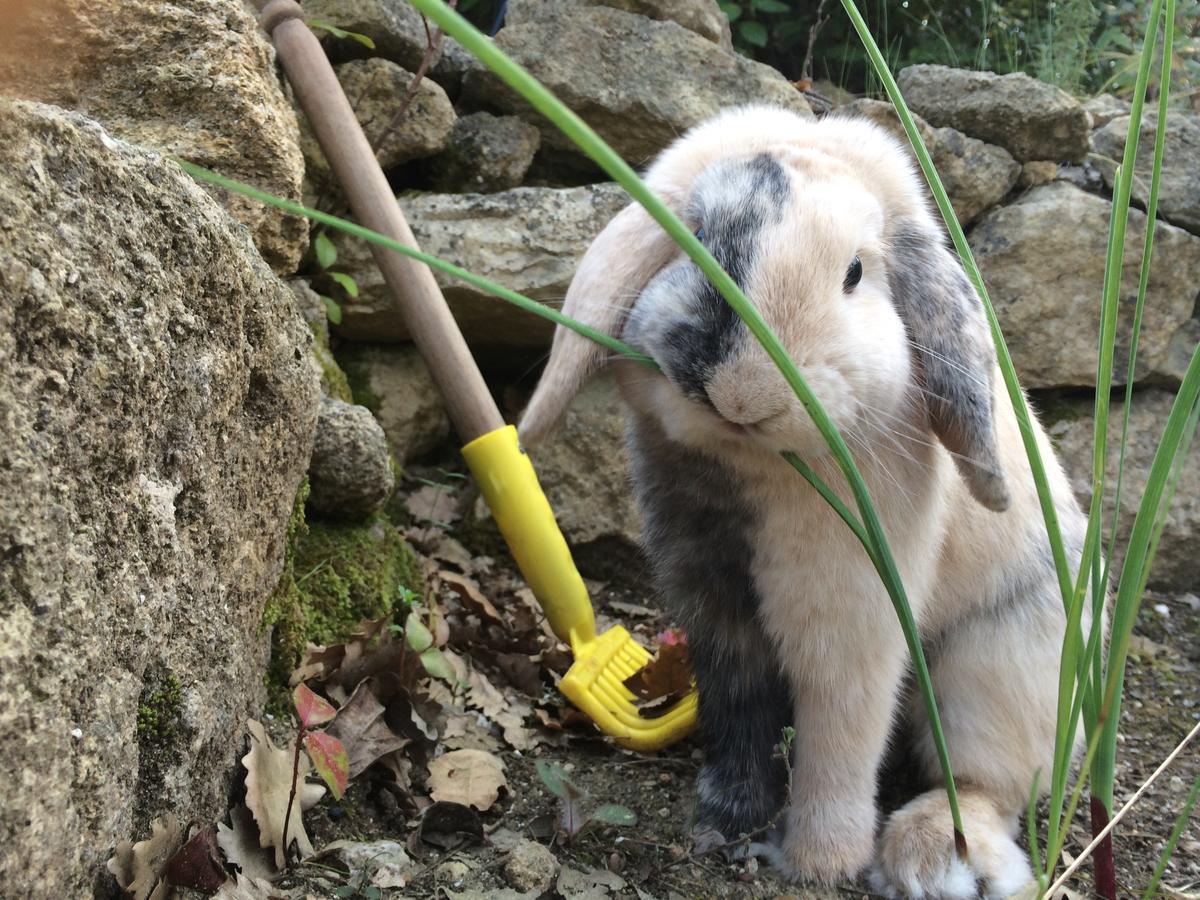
{"x":602,"y":662}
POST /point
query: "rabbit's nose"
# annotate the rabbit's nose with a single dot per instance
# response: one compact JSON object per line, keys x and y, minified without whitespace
{"x":745,"y":393}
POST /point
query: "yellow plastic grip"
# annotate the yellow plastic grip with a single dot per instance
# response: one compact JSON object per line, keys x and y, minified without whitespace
{"x":506,"y":478}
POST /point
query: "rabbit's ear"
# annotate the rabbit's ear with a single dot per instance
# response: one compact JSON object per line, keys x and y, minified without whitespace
{"x":951,"y":341}
{"x":617,"y":266}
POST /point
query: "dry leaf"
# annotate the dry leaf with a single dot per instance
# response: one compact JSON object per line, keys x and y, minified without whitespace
{"x":239,"y":842}
{"x":360,"y":726}
{"x":470,"y":777}
{"x":243,"y":888}
{"x":140,"y":868}
{"x":433,"y":503}
{"x":198,"y":864}
{"x":512,"y":724}
{"x":484,"y":696}
{"x":386,"y":862}
{"x":473,"y":598}
{"x":668,"y":674}
{"x":466,"y":731}
{"x":450,"y":825}
{"x":268,"y":784}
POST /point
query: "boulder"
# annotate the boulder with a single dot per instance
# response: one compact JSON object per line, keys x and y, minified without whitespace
{"x":638,"y":82}
{"x":1028,"y":118}
{"x":196,"y":80}
{"x":701,"y":16}
{"x":158,"y":414}
{"x":484,"y":154}
{"x":584,"y":470}
{"x":312,"y":307}
{"x":1179,"y":188}
{"x":976,"y":175}
{"x":1042,"y":259}
{"x":527,"y":239}
{"x":376,"y":88}
{"x":1183,"y":347}
{"x":350,"y":474}
{"x":530,"y":867}
{"x":393,"y":382}
{"x":1177,"y":565}
{"x":1103,"y":108}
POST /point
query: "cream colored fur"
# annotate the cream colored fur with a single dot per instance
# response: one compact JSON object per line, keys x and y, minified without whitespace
{"x":823,"y":605}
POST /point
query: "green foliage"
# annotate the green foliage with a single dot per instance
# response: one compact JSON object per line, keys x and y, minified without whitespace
{"x":322,"y":25}
{"x":160,"y":711}
{"x":326,"y":255}
{"x":576,"y":810}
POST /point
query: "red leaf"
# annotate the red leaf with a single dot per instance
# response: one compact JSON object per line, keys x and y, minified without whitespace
{"x":330,"y":759}
{"x":311,"y":709}
{"x":198,"y":865}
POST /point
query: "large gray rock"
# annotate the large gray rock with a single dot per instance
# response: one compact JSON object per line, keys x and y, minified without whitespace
{"x":484,"y":154}
{"x":585,"y":473}
{"x":976,"y":175}
{"x":1103,"y":108}
{"x":158,"y":413}
{"x":638,"y":82}
{"x":1070,"y":424}
{"x":350,"y":474}
{"x":394,"y":383}
{"x":196,"y":80}
{"x":701,"y":16}
{"x":528,"y":239}
{"x":1042,"y":259}
{"x":1028,"y":118}
{"x":376,"y":89}
{"x":1179,"y":190}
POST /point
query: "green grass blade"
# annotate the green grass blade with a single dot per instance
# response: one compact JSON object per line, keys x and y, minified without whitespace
{"x":1169,"y":848}
{"x":590,"y":143}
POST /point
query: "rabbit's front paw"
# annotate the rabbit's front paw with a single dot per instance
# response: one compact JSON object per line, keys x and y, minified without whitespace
{"x":917,"y":857}
{"x":828,"y":844}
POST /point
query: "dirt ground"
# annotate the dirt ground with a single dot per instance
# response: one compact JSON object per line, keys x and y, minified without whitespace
{"x":653,"y":858}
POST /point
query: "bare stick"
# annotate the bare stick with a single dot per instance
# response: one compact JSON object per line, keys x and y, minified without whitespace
{"x":1120,"y":814}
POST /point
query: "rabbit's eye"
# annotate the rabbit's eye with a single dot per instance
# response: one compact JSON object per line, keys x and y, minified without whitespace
{"x":853,"y":275}
{"x":700,"y":233}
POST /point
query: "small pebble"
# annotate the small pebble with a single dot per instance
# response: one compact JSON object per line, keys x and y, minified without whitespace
{"x":1163,"y":610}
{"x":452,"y":871}
{"x":664,"y":778}
{"x":616,"y":862}
{"x":530,"y":867}
{"x":664,"y":812}
{"x":676,"y":852}
{"x":77,"y":733}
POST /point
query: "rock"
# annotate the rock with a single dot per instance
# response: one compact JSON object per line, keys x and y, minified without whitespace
{"x":376,"y":89}
{"x":638,"y":82}
{"x":584,"y":471}
{"x":976,"y":175}
{"x":157,"y":414}
{"x":1028,"y":118}
{"x":1179,"y":189}
{"x":1183,"y":347}
{"x":350,"y":475}
{"x":1070,"y":424}
{"x":530,"y":867}
{"x":701,"y":16}
{"x":527,"y":239}
{"x":1103,"y":108}
{"x":1042,"y":259}
{"x":196,"y":80}
{"x":394,"y":383}
{"x":312,"y":308}
{"x":484,"y":154}
{"x":1037,"y":171}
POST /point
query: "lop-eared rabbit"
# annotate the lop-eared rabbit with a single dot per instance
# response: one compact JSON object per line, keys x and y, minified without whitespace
{"x":824,"y":226}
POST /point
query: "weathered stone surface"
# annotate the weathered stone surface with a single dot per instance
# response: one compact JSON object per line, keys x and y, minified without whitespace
{"x":1179,"y":189}
{"x":350,"y":474}
{"x":976,"y":175}
{"x":527,"y":239}
{"x":1028,"y":118}
{"x":1103,"y":108}
{"x":393,"y":382}
{"x":1183,"y":347}
{"x":1037,"y":171}
{"x":701,"y":16}
{"x":484,"y":154}
{"x":638,"y":82}
{"x":196,"y":80}
{"x":312,"y":308}
{"x":157,"y":413}
{"x":530,"y":867}
{"x":1177,"y":564}
{"x":1043,"y":261}
{"x":584,"y":470}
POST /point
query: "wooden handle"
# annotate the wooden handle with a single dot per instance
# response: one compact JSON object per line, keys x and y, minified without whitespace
{"x":416,"y":295}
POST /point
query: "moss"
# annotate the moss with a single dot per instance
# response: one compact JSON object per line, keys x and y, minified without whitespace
{"x":359,"y":379}
{"x":160,"y":712}
{"x":333,"y":379}
{"x":162,"y":734}
{"x":334,"y":577}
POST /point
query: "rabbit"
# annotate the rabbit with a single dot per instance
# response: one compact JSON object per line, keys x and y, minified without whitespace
{"x":825,"y":227}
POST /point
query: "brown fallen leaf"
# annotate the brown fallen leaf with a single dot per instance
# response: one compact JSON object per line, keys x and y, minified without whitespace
{"x":450,"y":825}
{"x":434,"y":503}
{"x":141,"y":868}
{"x":239,"y":842}
{"x":242,"y":888}
{"x":484,"y":696}
{"x":198,"y":864}
{"x":465,"y":731}
{"x":268,"y":784}
{"x":512,"y":725}
{"x":472,"y":597}
{"x":668,"y":674}
{"x":362,"y":728}
{"x":470,"y":777}
{"x":521,"y":671}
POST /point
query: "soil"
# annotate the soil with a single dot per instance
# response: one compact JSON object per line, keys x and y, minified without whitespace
{"x":653,"y":858}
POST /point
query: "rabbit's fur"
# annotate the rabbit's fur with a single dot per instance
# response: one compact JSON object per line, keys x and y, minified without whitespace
{"x":787,"y":620}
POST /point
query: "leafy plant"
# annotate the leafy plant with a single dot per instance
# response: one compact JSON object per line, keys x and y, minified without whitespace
{"x":323,"y":25}
{"x":326,"y":254}
{"x":420,"y":639}
{"x":328,"y":755}
{"x":576,"y":810}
